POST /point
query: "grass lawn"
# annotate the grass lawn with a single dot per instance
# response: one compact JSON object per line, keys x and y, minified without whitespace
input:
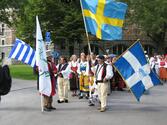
{"x":22,"y":72}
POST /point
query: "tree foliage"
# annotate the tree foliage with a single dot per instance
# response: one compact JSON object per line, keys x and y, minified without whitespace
{"x":62,"y":19}
{"x":151,"y":16}
{"x":8,"y":9}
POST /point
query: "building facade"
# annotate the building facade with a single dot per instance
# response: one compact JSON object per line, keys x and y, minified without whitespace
{"x":130,"y":35}
{"x":67,"y":48}
{"x":7,"y":36}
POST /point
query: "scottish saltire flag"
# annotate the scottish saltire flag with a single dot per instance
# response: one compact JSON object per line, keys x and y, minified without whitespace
{"x":135,"y":70}
{"x":23,"y":52}
{"x":104,"y":18}
{"x":41,"y":62}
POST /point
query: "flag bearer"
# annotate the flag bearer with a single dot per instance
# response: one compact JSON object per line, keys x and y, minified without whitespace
{"x":52,"y":70}
{"x":103,"y":73}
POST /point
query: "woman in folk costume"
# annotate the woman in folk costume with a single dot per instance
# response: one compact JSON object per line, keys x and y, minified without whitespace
{"x":83,"y":76}
{"x":162,"y":69}
{"x":90,"y":73}
{"x":52,"y":70}
{"x":73,"y":75}
{"x":166,"y":66}
{"x":92,"y":63}
{"x":120,"y":83}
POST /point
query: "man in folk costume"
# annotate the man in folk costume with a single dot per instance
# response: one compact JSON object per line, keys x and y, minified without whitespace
{"x":63,"y":80}
{"x":103,"y":73}
{"x":48,"y":100}
{"x":83,"y":76}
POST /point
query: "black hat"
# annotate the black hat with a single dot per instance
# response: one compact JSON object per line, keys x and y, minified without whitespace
{"x":101,"y":57}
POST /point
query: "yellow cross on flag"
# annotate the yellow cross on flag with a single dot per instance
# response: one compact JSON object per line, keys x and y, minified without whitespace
{"x":104,"y":18}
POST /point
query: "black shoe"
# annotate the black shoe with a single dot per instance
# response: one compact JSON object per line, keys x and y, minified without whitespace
{"x":91,"y":104}
{"x":60,"y":101}
{"x":46,"y":109}
{"x":86,"y":97}
{"x":66,"y":101}
{"x":120,"y":89}
{"x":80,"y":97}
{"x":52,"y":108}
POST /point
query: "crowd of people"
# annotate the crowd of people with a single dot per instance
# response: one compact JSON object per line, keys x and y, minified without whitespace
{"x":92,"y":77}
{"x":158,"y":64}
{"x":89,"y":76}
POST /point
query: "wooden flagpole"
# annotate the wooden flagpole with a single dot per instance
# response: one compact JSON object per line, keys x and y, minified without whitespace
{"x":86,"y":28}
{"x":42,"y":103}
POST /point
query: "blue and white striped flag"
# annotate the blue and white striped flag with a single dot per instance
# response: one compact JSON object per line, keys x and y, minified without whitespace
{"x":135,"y":70}
{"x":23,"y":52}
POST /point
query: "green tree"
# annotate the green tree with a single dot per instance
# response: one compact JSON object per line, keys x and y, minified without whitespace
{"x":63,"y":20}
{"x":8,"y":9}
{"x":151,"y":16}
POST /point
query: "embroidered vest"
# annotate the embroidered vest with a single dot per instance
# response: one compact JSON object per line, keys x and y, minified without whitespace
{"x":60,"y":68}
{"x":104,"y":66}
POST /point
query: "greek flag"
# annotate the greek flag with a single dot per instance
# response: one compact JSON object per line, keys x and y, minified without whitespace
{"x":135,"y":70}
{"x":23,"y":52}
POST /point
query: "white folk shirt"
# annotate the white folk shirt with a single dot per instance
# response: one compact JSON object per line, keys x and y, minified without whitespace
{"x":83,"y":64}
{"x":152,"y":62}
{"x":109,"y":72}
{"x":65,"y":72}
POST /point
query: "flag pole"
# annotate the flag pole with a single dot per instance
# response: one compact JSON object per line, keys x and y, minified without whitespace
{"x":42,"y":103}
{"x":85,"y":28}
{"x":36,"y":61}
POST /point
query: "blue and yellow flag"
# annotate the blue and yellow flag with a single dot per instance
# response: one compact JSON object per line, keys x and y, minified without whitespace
{"x":104,"y":18}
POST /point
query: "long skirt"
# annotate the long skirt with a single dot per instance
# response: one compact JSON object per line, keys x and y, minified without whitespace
{"x":163,"y":73}
{"x":73,"y":82}
{"x":84,"y":83}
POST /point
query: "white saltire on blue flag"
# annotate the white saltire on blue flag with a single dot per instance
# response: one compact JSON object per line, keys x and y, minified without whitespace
{"x":136,"y":71}
{"x":41,"y":62}
{"x":23,"y":52}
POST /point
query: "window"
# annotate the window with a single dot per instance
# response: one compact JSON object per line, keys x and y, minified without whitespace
{"x":3,"y":42}
{"x":118,"y":49}
{"x":3,"y":30}
{"x":2,"y":55}
{"x":94,"y":48}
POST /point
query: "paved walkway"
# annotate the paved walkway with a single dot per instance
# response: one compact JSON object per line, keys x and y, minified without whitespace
{"x":22,"y":107}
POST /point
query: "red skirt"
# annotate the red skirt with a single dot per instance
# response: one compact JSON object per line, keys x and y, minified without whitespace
{"x":163,"y":73}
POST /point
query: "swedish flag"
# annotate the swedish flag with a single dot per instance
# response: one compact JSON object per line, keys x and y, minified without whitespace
{"x":104,"y":18}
